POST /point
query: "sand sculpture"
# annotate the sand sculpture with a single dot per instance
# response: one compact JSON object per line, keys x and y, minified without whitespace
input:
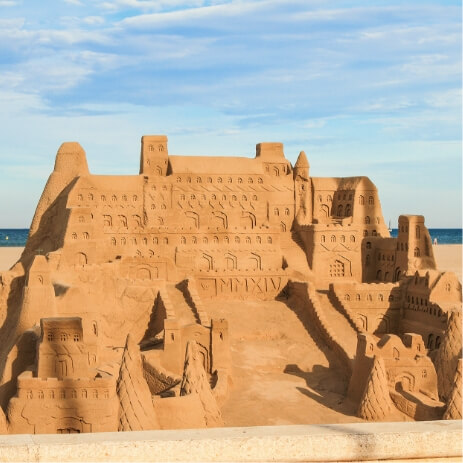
{"x":113,"y":317}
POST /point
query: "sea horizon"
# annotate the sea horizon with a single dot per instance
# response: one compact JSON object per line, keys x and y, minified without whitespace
{"x":17,"y":237}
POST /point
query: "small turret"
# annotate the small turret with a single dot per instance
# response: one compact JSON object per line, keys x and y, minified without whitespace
{"x":71,"y":160}
{"x":154,"y":155}
{"x":301,"y":168}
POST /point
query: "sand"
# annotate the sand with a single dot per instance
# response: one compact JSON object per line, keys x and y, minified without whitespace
{"x":448,"y":257}
{"x":9,"y":256}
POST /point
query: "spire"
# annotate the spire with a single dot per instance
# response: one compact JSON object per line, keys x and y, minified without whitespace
{"x":302,"y":162}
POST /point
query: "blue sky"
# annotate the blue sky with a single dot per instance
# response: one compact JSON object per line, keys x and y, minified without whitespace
{"x":365,"y":88}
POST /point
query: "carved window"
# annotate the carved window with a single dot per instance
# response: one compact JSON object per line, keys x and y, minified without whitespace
{"x":123,"y":241}
{"x":346,"y":297}
{"x":357,"y":297}
{"x":198,"y":180}
{"x":234,"y":197}
{"x":344,"y":196}
{"x":361,"y":200}
{"x":188,"y":180}
{"x":90,"y":197}
{"x":391,"y":298}
{"x":163,"y":206}
{"x":244,"y":198}
{"x":226,"y":240}
{"x":29,"y":394}
{"x":183,"y":240}
{"x":219,"y":180}
{"x":194,"y":240}
{"x":416,"y":252}
{"x":259,"y":180}
{"x":84,"y":393}
{"x":248,"y":240}
{"x":240,"y":180}
{"x":371,"y":201}
{"x":209,"y":180}
{"x":322,"y":238}
{"x":103,"y":198}
{"x":62,"y":394}
{"x":258,"y":239}
{"x":350,"y":196}
{"x":224,"y":197}
{"x":166,"y":240}
{"x":179,"y":179}
{"x":85,"y":235}
{"x":254,"y":197}
{"x":113,"y":198}
{"x":365,"y":232}
{"x":343,"y":239}
{"x":367,"y":219}
{"x":134,"y":240}
{"x":216,"y":239}
{"x":74,"y":236}
{"x":250,"y":180}
{"x":352,"y":238}
{"x":106,"y":394}
{"x":286,"y":211}
{"x":213,"y":197}
{"x":205,"y":240}
{"x":237,"y":239}
{"x":448,"y":287}
{"x":95,"y":394}
{"x":339,"y":196}
{"x":276,"y":211}
{"x":76,"y":337}
{"x":380,"y":297}
{"x":320,"y":199}
{"x":192,"y":197}
{"x":63,"y":337}
{"x":124,"y":197}
{"x":51,"y":394}
{"x":369,"y":298}
{"x":340,"y":210}
{"x":269,"y":240}
{"x":80,"y":198}
{"x":81,"y":219}
{"x":50,"y":336}
{"x":368,"y":245}
{"x":73,"y":394}
{"x":333,"y":239}
{"x":329,"y":198}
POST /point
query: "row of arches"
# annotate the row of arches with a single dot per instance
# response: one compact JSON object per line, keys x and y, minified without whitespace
{"x":249,"y":180}
{"x":333,"y":239}
{"x":68,"y":394}
{"x":369,"y":297}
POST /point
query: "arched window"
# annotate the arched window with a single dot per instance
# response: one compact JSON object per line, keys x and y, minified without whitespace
{"x":219,"y":180}
{"x":258,"y":239}
{"x":205,"y":240}
{"x":226,"y":240}
{"x":333,"y":239}
{"x":417,"y":231}
{"x":237,"y":239}
{"x":416,"y":252}
{"x":276,"y":211}
{"x":179,"y":180}
{"x":74,"y":236}
{"x":343,"y":239}
{"x":322,"y":238}
{"x":269,"y":240}
{"x":209,"y":180}
{"x":371,"y":201}
{"x":183,"y":240}
{"x":50,"y":336}
{"x":357,"y":297}
{"x":348,"y":211}
{"x":352,"y":238}
{"x":340,"y":210}
{"x":216,"y":239}
{"x":250,"y":180}
{"x":368,"y":245}
{"x":367,"y":219}
{"x":194,"y":240}
{"x":248,"y":240}
{"x":40,"y":394}
{"x":198,"y":180}
{"x":259,"y":180}
{"x":380,"y":297}
{"x":361,"y":200}
{"x":346,"y":297}
{"x":240,"y":180}
{"x":286,"y":211}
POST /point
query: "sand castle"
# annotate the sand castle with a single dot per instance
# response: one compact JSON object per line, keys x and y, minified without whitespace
{"x":121,"y":313}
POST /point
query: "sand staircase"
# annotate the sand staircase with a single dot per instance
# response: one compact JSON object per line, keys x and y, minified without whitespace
{"x":343,"y":331}
{"x":184,"y":313}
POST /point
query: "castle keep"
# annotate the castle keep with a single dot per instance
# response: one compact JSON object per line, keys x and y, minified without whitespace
{"x":111,"y":320}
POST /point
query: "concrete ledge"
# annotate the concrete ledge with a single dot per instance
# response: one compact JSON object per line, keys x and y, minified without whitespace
{"x":410,"y":441}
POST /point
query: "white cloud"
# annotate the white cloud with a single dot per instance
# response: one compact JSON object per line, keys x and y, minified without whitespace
{"x":8,"y":3}
{"x":73,"y":2}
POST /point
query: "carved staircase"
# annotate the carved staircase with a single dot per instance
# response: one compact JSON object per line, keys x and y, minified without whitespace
{"x":184,"y":313}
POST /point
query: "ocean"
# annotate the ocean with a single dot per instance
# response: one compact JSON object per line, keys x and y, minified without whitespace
{"x":10,"y":237}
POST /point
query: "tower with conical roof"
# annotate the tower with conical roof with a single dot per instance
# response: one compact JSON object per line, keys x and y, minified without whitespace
{"x":302,"y":190}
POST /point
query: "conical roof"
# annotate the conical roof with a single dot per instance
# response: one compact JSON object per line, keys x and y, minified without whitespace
{"x":302,"y":161}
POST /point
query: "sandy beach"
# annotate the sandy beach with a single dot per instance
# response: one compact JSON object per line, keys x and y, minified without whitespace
{"x":448,"y":257}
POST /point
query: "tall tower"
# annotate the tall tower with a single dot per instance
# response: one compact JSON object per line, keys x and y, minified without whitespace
{"x":302,"y":191}
{"x":154,"y":155}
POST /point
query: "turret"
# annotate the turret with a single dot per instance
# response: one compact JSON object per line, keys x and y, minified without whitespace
{"x":273,"y":158}
{"x":154,"y":155}
{"x":71,"y":160}
{"x":414,"y":249}
{"x":301,"y":168}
